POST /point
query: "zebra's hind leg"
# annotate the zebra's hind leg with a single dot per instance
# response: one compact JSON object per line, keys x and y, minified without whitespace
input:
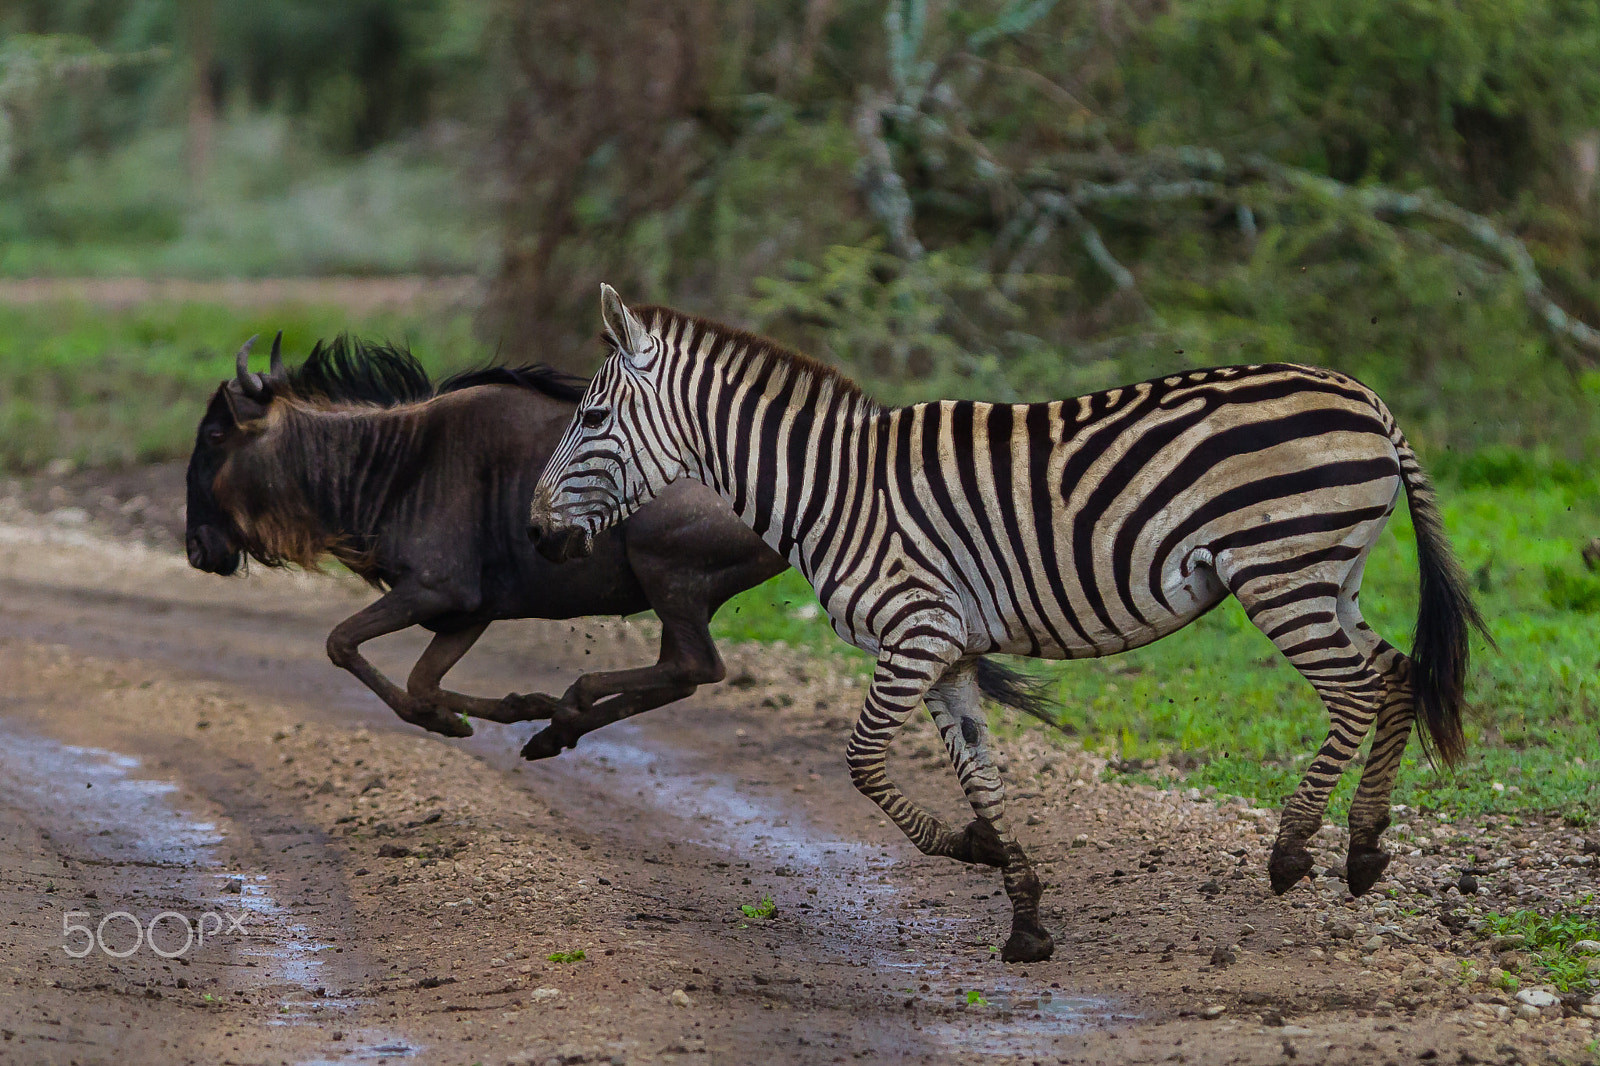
{"x":1305,"y":618}
{"x":1369,"y":811}
{"x":954,"y":704}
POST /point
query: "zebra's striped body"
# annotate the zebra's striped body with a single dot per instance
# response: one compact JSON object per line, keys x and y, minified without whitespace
{"x":939,"y":532}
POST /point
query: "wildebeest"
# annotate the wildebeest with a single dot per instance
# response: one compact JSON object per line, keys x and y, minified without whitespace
{"x":423,"y":491}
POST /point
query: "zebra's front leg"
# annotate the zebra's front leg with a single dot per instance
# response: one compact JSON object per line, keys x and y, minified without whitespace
{"x":958,"y":714}
{"x":898,"y":686}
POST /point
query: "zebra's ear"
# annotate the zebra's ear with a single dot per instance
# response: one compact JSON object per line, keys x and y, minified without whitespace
{"x":624,"y":327}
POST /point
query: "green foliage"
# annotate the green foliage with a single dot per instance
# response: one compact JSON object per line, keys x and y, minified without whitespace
{"x":765,"y":909}
{"x":1550,"y":938}
{"x":566,"y":956}
{"x":270,"y":200}
{"x":1475,"y":96}
{"x":1571,"y":591}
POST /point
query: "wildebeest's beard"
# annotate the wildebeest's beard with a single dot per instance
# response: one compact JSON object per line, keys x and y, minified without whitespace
{"x":211,"y":537}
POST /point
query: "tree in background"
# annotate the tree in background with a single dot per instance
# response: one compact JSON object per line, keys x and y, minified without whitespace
{"x":1029,"y":197}
{"x":606,"y":121}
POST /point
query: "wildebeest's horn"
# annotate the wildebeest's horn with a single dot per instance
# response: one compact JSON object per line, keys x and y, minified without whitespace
{"x":275,"y":371}
{"x":249,"y":384}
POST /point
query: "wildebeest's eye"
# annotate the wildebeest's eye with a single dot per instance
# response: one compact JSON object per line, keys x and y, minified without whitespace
{"x":594,"y":417}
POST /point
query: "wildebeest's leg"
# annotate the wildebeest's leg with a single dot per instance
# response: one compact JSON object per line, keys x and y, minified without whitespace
{"x":954,"y":704}
{"x":690,"y":557}
{"x":444,"y":652}
{"x":399,"y":609}
{"x":688,"y":660}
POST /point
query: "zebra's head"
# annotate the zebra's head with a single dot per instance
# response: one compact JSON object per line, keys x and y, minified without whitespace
{"x":620,"y":450}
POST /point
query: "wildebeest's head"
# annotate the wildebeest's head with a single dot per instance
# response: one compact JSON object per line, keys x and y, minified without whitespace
{"x":211,"y":536}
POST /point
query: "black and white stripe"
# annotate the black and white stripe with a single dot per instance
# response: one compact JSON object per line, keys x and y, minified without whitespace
{"x":940,"y":532}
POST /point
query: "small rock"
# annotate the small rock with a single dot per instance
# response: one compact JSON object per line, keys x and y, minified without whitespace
{"x":1212,"y":1010}
{"x":544,"y":993}
{"x":1468,"y":885}
{"x":233,"y":886}
{"x":1527,"y":1012}
{"x":1223,"y":957}
{"x":1373,"y":943}
{"x":1272,"y":1019}
{"x":1341,"y":930}
{"x":1507,"y":943}
{"x":1591,"y":946}
{"x":393,"y":851}
{"x":680,"y":998}
{"x":1537,"y":998}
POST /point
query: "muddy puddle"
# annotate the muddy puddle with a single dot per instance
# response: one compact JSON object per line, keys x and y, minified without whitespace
{"x":856,"y":896}
{"x":161,"y":887}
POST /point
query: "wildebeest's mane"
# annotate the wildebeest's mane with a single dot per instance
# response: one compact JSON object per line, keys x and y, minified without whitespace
{"x":349,"y":370}
{"x":556,"y":384}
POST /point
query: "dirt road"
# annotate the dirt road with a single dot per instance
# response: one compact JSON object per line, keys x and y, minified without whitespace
{"x":176,"y":745}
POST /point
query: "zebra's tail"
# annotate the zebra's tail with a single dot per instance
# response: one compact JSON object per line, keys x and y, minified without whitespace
{"x":1017,"y":690}
{"x":1446,"y":615}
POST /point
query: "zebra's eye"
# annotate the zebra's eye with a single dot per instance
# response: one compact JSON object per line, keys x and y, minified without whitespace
{"x":594,"y":417}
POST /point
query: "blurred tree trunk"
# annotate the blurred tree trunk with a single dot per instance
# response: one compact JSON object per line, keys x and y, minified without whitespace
{"x":600,"y":123}
{"x":202,"y":109}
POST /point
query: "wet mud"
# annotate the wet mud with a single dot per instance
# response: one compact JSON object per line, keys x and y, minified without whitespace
{"x":176,"y":743}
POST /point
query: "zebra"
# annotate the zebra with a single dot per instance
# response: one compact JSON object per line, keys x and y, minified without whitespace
{"x":940,"y":532}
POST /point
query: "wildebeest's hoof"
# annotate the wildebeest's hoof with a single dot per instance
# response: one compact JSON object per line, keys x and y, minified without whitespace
{"x":1287,"y":867}
{"x":1028,"y":944}
{"x":1363,"y":869}
{"x":545,"y":743}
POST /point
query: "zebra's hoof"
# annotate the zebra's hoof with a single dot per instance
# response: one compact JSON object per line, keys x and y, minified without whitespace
{"x":1033,"y":944}
{"x":1286,"y":868}
{"x":1363,"y":869}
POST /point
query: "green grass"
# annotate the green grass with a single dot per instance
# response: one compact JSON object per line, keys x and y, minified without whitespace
{"x":1550,"y":939}
{"x":104,"y":388}
{"x":566,"y":956}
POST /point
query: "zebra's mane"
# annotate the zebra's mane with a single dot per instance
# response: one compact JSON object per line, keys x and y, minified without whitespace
{"x":661,"y":319}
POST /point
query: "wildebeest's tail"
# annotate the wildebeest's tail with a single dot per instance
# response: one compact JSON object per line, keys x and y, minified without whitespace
{"x":1014,"y":689}
{"x":1446,"y":615}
